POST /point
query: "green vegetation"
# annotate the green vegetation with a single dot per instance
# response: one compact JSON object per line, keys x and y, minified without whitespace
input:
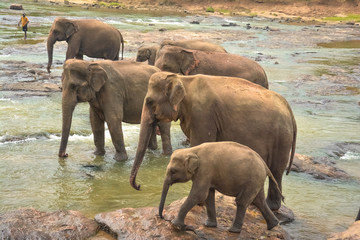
{"x":350,"y":17}
{"x":210,"y":9}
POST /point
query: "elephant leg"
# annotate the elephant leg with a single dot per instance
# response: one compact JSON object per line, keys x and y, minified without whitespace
{"x":197,"y":194}
{"x":274,"y":197}
{"x":268,"y":215}
{"x":153,"y":143}
{"x":241,"y":205}
{"x":98,"y":129}
{"x":165,"y":138}
{"x":210,"y":208}
{"x":115,"y":129}
{"x":72,"y":50}
{"x":80,"y":56}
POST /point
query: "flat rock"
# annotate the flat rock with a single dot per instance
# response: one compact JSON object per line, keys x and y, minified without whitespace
{"x":144,"y":223}
{"x":352,"y":233}
{"x":29,"y":223}
{"x":318,"y":168}
{"x":31,"y":86}
{"x":16,"y":6}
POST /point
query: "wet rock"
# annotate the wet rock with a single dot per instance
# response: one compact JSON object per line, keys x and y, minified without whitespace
{"x":144,"y":223}
{"x":31,"y":86}
{"x":285,"y":215}
{"x":16,"y":7}
{"x":30,"y":224}
{"x":319,"y":168}
{"x":352,"y":233}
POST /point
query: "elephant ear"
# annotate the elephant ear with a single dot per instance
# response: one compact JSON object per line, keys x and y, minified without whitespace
{"x":175,"y":90}
{"x":70,"y":29}
{"x":191,"y":162}
{"x":188,"y":61}
{"x":97,"y":76}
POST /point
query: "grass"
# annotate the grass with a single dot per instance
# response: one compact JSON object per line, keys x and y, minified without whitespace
{"x":350,"y":17}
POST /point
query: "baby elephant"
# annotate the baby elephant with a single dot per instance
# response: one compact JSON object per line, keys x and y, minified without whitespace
{"x":231,"y":168}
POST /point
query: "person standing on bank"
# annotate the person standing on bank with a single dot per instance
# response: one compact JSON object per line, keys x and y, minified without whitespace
{"x":24,"y":22}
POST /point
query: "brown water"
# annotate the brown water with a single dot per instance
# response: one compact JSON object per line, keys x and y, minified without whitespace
{"x":321,"y":84}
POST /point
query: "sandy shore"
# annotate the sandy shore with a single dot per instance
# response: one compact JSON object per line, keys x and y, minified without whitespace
{"x":314,"y":9}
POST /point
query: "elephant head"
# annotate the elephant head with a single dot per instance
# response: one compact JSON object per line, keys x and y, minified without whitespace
{"x":176,"y":59}
{"x":61,"y":30}
{"x":147,"y":53}
{"x":181,"y":168}
{"x":161,"y":103}
{"x":80,"y":83}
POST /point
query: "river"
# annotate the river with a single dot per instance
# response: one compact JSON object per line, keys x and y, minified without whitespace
{"x":321,"y":82}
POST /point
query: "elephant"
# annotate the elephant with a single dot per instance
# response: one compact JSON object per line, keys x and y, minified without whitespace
{"x":222,"y":166}
{"x":220,"y":108}
{"x":89,"y":37}
{"x":190,"y":62}
{"x":200,"y":45}
{"x":147,"y":53}
{"x":115,"y":91}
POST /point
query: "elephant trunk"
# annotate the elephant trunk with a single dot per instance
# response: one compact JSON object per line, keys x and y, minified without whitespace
{"x":67,"y":111}
{"x":147,"y":125}
{"x":50,"y":47}
{"x":163,"y":197}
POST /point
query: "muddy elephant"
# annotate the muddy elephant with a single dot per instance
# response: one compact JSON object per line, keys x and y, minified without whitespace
{"x":190,"y":62}
{"x":218,"y":108}
{"x":221,"y":166}
{"x":115,"y":91}
{"x":200,"y":45}
{"x":89,"y":37}
{"x":147,"y":53}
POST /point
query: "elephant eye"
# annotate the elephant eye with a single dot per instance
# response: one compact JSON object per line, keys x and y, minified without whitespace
{"x":173,"y":171}
{"x":149,"y":101}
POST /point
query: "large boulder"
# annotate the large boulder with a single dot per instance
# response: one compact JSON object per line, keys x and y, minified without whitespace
{"x":29,"y":223}
{"x":144,"y":223}
{"x":352,"y":233}
{"x":319,"y":168}
{"x":16,"y":6}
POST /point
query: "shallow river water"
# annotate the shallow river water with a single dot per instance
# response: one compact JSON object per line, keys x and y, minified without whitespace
{"x":321,"y":83}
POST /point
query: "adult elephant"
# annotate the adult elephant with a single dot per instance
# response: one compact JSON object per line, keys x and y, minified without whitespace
{"x":115,"y":91}
{"x":190,"y":62}
{"x":88,"y":37}
{"x":218,"y":108}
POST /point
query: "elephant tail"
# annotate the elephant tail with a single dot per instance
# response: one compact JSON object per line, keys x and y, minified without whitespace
{"x":122,"y":46}
{"x":293,"y":142}
{"x":271,"y":176}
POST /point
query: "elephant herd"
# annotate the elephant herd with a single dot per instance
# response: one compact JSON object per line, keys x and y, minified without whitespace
{"x":217,"y":96}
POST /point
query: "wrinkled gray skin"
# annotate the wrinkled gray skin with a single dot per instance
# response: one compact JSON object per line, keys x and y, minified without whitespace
{"x":190,"y":62}
{"x":228,"y":167}
{"x":147,"y":53}
{"x":218,"y":108}
{"x":115,"y":91}
{"x":89,"y":37}
{"x":200,"y":45}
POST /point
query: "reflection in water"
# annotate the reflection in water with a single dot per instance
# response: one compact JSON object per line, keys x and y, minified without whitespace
{"x":314,"y":80}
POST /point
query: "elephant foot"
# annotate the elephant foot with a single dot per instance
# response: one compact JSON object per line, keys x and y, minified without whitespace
{"x":234,"y":229}
{"x":99,"y":152}
{"x":120,"y":157}
{"x":178,"y":224}
{"x":167,"y":151}
{"x":272,"y":224}
{"x":211,"y":223}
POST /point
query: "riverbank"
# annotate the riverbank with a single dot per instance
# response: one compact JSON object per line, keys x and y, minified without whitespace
{"x":340,"y":10}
